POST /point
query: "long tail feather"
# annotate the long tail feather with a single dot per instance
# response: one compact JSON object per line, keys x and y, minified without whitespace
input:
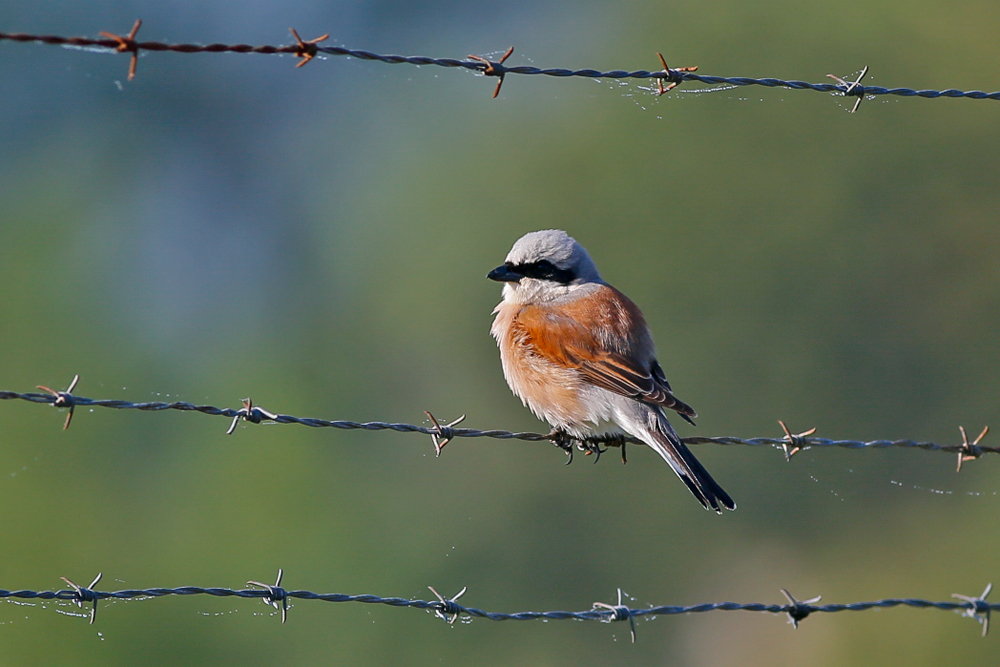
{"x":668,"y":444}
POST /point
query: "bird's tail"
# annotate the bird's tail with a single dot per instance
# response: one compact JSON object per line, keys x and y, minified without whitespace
{"x":668,"y":444}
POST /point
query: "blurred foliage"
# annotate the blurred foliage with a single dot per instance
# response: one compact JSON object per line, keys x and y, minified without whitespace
{"x":319,"y":238}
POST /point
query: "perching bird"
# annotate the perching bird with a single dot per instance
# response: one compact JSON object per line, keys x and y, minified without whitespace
{"x":579,"y":354}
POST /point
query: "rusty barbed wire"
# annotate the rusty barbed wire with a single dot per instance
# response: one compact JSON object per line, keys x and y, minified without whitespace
{"x":306,"y":50}
{"x":448,"y":609}
{"x":442,"y":434}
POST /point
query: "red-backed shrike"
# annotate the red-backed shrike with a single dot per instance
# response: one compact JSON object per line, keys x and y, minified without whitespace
{"x":579,"y":354}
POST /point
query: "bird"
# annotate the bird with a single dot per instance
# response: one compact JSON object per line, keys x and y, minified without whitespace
{"x":579,"y":354}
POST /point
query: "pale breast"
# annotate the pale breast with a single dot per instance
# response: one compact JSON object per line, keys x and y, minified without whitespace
{"x":554,"y":393}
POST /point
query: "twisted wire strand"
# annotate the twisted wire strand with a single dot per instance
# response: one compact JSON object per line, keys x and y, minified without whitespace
{"x":307,"y":49}
{"x":969,"y":605}
{"x":256,"y":414}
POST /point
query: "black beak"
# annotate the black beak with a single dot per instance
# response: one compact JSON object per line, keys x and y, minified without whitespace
{"x":504,"y":274}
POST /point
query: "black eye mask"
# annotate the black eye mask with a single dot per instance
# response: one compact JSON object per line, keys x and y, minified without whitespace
{"x":544,"y":270}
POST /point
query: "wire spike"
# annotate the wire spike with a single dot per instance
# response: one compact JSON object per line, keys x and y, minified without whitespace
{"x":83,"y":594}
{"x":276,"y":597}
{"x":674,"y":76}
{"x":853,"y":87}
{"x":979,"y":608}
{"x":64,"y":399}
{"x":127,"y":44}
{"x":448,"y":607}
{"x":619,"y":612}
{"x":491,"y":68}
{"x":307,"y":50}
{"x":794,"y":443}
{"x":798,"y":610}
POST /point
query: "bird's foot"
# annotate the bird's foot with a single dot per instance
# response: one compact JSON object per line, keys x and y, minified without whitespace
{"x":592,"y":445}
{"x":595,"y":444}
{"x":616,"y":440}
{"x":563,"y":441}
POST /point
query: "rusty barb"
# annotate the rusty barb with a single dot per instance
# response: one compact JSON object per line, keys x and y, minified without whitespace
{"x":442,"y":434}
{"x":307,"y":50}
{"x":674,"y":77}
{"x":794,"y":443}
{"x":127,"y":44}
{"x":64,"y":399}
{"x":491,"y":68}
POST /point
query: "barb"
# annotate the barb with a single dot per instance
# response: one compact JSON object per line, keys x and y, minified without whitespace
{"x":979,"y":608}
{"x":449,"y":609}
{"x":619,"y":612}
{"x":64,"y":399}
{"x":675,"y":77}
{"x":127,"y":44}
{"x":443,"y":434}
{"x":853,"y":88}
{"x":249,"y":413}
{"x":970,"y":451}
{"x":794,"y":442}
{"x":83,"y":594}
{"x":496,"y":69}
{"x":306,"y":50}
{"x":798,"y":611}
{"x":276,"y":597}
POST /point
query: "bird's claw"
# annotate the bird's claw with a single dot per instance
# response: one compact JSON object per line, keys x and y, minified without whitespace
{"x":563,"y":441}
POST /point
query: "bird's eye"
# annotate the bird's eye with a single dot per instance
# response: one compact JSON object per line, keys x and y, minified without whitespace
{"x":545,"y":269}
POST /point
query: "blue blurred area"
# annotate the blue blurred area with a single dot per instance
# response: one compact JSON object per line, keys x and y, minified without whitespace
{"x":318,"y":239}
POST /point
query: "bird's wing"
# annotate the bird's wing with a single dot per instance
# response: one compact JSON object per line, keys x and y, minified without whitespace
{"x":600,"y":343}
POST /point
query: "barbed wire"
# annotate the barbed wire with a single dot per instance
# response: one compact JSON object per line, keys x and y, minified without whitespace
{"x":306,"y":50}
{"x":450,"y":610}
{"x":442,"y":434}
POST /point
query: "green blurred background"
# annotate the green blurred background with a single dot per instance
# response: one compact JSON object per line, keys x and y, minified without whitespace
{"x":318,"y":239}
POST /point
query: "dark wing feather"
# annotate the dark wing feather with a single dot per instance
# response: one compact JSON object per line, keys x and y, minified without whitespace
{"x":619,"y":374}
{"x":614,"y":370}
